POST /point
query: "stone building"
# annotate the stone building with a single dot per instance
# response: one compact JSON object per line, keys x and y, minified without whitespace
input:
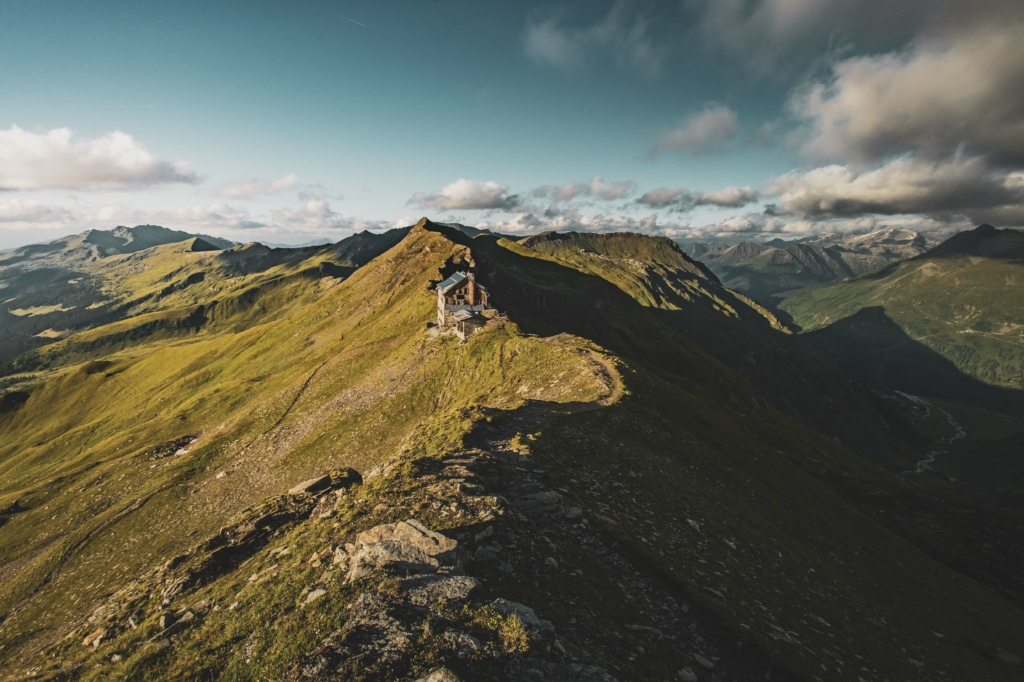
{"x":461,"y":300}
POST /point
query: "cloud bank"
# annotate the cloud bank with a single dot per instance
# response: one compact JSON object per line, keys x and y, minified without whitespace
{"x":768,"y":35}
{"x":52,"y":160}
{"x":682,"y":199}
{"x":938,"y":97}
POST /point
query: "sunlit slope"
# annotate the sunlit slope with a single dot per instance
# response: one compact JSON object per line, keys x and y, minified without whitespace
{"x":961,"y":302}
{"x":793,"y":375}
{"x":52,"y":294}
{"x":339,"y":381}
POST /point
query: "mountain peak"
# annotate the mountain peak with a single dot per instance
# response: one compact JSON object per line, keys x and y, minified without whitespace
{"x":984,"y":241}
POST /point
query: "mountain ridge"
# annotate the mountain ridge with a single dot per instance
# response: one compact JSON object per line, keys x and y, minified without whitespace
{"x":768,"y":272}
{"x":683,"y":469}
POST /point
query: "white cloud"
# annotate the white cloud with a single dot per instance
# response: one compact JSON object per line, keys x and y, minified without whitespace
{"x":200,"y":216}
{"x":609,"y":191}
{"x":598,"y":187}
{"x":701,"y":133}
{"x":51,"y":160}
{"x":21,"y":212}
{"x":756,"y":227}
{"x":467,"y":194}
{"x":666,"y":197}
{"x":729,"y":197}
{"x":623,"y":34}
{"x":312,"y":218}
{"x":903,"y":186}
{"x":682,"y":199}
{"x":248,"y":190}
{"x":529,"y":223}
{"x":963,"y":92}
{"x":405,"y":221}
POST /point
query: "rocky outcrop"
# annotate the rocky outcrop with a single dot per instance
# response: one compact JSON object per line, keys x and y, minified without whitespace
{"x":438,"y":568}
{"x":417,"y":602}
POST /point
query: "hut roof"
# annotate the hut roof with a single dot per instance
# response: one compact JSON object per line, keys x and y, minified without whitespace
{"x":457,"y":278}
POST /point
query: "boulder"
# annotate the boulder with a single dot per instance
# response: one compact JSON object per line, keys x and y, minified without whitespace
{"x":464,"y":645}
{"x":414,"y":533}
{"x":400,"y":556}
{"x":703,"y":661}
{"x":345,"y":478}
{"x":484,"y":534}
{"x":93,"y":639}
{"x":313,"y":485}
{"x":529,"y":617}
{"x":424,"y":590}
{"x":313,"y":595}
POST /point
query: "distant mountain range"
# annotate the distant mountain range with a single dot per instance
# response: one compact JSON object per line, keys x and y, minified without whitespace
{"x":768,"y":271}
{"x":928,"y":323}
{"x":314,"y":242}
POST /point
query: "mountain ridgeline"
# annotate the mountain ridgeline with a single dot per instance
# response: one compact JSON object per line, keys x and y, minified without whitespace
{"x":172,"y":280}
{"x":768,"y":271}
{"x":281,"y":470}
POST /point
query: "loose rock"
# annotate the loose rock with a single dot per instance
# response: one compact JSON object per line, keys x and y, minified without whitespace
{"x":313,"y":485}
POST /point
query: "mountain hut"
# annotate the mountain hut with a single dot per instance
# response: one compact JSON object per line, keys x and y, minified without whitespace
{"x":460,"y":302}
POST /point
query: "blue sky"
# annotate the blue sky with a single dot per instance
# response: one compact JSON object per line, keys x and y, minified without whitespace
{"x":288,"y":121}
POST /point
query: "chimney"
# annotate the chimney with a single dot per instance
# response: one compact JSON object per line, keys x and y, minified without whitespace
{"x":471,"y":275}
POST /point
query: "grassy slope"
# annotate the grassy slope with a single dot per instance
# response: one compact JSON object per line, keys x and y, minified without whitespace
{"x":964,"y":307}
{"x":100,"y":289}
{"x":341,"y":381}
{"x":349,"y":378}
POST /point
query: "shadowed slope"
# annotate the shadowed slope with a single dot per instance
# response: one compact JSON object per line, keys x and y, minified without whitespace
{"x":790,"y":373}
{"x":961,"y":300}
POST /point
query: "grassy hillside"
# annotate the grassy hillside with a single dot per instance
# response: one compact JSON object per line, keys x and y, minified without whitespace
{"x":958,"y":304}
{"x":54,"y":290}
{"x":341,"y":381}
{"x":708,"y":517}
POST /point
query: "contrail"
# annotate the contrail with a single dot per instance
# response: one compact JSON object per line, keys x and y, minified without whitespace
{"x":346,"y":18}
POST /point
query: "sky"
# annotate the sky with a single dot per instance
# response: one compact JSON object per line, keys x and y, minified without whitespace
{"x":287,"y":122}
